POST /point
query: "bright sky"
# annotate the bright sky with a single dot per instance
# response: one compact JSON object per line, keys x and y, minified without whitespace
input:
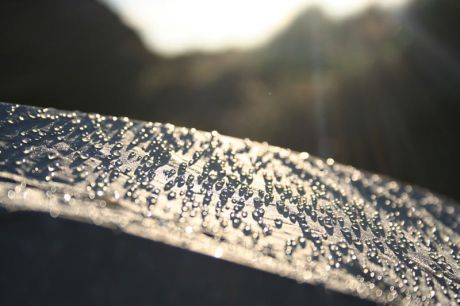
{"x":176,"y":26}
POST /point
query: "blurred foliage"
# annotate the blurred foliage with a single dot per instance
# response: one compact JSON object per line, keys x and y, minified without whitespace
{"x":378,"y":90}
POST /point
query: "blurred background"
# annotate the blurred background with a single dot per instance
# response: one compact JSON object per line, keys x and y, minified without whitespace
{"x":374,"y":84}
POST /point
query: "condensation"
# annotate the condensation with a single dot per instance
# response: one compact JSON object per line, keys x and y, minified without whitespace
{"x":284,"y":212}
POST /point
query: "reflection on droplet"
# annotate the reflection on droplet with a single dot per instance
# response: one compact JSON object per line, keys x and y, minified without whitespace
{"x":218,"y":252}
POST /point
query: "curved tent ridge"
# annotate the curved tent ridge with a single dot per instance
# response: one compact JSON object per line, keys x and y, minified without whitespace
{"x":284,"y":212}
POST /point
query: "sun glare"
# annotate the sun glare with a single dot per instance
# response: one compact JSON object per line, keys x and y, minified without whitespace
{"x":177,"y":26}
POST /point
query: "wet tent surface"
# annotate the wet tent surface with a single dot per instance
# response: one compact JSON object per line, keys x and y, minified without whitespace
{"x":312,"y":221}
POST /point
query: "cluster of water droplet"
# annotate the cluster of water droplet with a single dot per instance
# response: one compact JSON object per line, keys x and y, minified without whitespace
{"x":313,"y":220}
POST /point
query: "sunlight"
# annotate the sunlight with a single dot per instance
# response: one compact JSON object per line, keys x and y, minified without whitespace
{"x":177,"y":26}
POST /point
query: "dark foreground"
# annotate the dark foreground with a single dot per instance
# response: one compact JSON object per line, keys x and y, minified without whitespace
{"x":48,"y":261}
